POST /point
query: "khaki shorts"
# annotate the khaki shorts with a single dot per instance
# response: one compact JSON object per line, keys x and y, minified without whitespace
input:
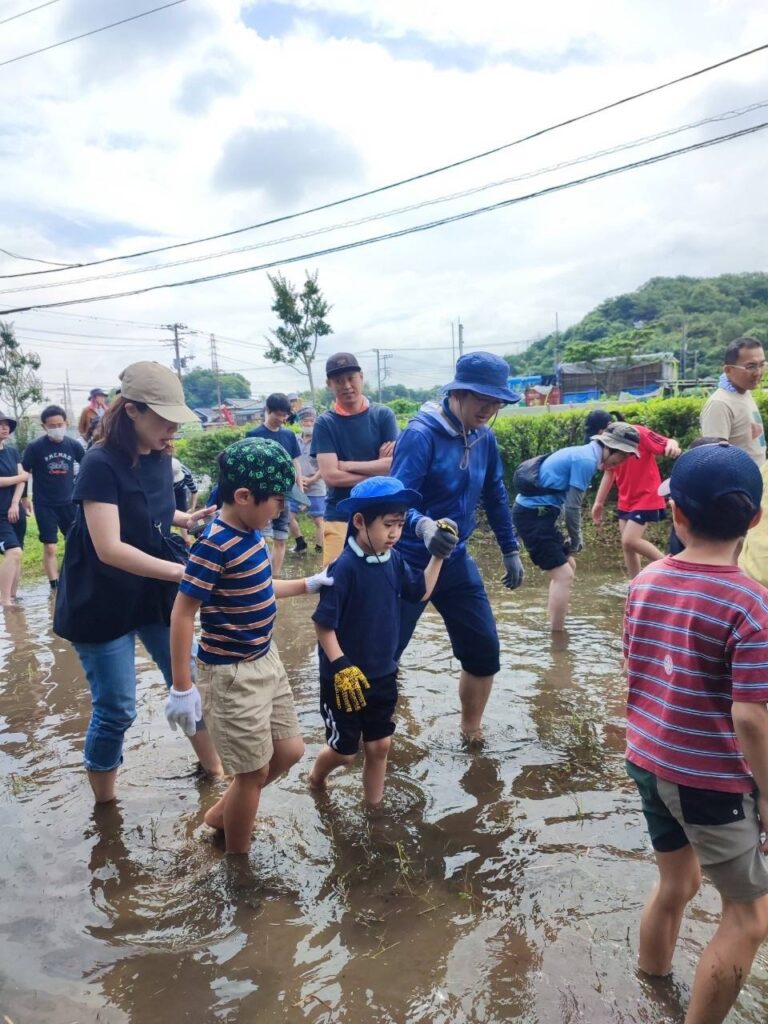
{"x":334,"y":535}
{"x":247,"y":706}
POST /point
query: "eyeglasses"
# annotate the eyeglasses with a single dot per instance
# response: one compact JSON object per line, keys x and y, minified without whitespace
{"x":749,"y":367}
{"x":485,"y":400}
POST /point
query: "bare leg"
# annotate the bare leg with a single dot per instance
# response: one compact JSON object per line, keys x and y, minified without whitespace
{"x":10,"y":565}
{"x":727,"y":960}
{"x":241,"y":803}
{"x":679,"y":880}
{"x":103,"y":785}
{"x":318,"y":521}
{"x":560,"y":585}
{"x":286,"y":754}
{"x":50,"y":562}
{"x":16,"y":579}
{"x":293,"y":526}
{"x":325,"y":762}
{"x":374,"y":769}
{"x":474,"y":692}
{"x":635,"y":546}
{"x":202,"y":744}
{"x":278,"y":556}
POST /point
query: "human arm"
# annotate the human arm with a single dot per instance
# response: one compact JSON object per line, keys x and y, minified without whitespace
{"x":348,"y":680}
{"x":19,"y":478}
{"x":432,"y":571}
{"x":376,"y":467}
{"x":672,"y":449}
{"x":750,"y":723}
{"x":598,"y":506}
{"x":572,"y":511}
{"x":18,"y":491}
{"x":334,"y":476}
{"x":183,"y":707}
{"x":300,"y":481}
{"x":305,"y":585}
{"x":329,"y":642}
{"x":103,"y":523}
{"x":386,"y":429}
{"x":187,"y":519}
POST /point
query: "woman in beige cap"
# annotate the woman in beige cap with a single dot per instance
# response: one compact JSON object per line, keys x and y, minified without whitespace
{"x":120,"y":572}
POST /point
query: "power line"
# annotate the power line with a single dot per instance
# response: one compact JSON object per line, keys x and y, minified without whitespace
{"x":585,"y":158}
{"x":93,"y":32}
{"x":34,"y":259}
{"x":416,"y":177}
{"x":31,"y":10}
{"x":414,"y":229}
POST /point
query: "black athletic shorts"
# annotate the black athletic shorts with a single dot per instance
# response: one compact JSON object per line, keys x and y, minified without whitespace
{"x":538,"y":530}
{"x":9,"y":534}
{"x":52,"y":518}
{"x":343,"y":729}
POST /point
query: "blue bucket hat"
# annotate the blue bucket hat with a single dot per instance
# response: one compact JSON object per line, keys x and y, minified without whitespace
{"x":485,"y":374}
{"x":704,"y":474}
{"x":383,"y":491}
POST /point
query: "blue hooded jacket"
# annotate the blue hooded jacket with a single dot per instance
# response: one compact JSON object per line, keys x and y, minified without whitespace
{"x":428,"y":458}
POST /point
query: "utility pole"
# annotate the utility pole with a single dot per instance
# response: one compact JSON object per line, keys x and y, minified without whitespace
{"x":382,"y":371}
{"x":176,"y":345}
{"x":557,"y":340}
{"x":461,"y":338}
{"x":215,"y":368}
{"x":68,"y":398}
{"x":453,"y":345}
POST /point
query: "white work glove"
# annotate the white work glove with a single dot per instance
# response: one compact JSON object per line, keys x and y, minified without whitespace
{"x":440,"y":537}
{"x":184,"y":708}
{"x":318,"y":581}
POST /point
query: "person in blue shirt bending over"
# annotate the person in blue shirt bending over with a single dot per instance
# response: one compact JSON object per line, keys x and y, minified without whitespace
{"x":563,"y":478}
{"x":448,"y":452}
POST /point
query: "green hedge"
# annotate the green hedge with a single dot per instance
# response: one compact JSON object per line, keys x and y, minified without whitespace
{"x":520,"y":435}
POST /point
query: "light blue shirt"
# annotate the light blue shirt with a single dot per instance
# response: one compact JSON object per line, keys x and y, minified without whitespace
{"x":569,"y":467}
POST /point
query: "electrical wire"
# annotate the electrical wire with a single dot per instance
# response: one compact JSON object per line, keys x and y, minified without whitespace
{"x":585,"y":158}
{"x":92,"y":32}
{"x":31,"y":10}
{"x":414,"y":229}
{"x":416,"y":177}
{"x":34,"y":259}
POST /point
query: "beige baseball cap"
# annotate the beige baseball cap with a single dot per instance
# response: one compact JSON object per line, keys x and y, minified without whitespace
{"x":159,"y":388}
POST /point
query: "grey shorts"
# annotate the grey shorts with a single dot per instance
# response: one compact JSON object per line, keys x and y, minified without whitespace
{"x":722,"y":828}
{"x":278,"y":528}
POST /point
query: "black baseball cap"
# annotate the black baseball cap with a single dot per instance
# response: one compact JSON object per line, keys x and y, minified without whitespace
{"x":341,"y":362}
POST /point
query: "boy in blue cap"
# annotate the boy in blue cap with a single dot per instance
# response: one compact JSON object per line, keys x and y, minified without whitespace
{"x":696,"y":643}
{"x":357,"y":624}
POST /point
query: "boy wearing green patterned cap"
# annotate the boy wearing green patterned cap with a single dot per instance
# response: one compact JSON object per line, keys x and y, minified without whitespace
{"x":242,"y":684}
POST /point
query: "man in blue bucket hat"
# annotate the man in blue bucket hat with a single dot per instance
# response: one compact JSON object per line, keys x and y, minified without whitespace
{"x":448,"y":453}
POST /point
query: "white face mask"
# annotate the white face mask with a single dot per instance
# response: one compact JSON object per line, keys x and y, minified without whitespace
{"x":56,"y":433}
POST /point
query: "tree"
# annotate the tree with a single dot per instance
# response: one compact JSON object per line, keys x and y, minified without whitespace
{"x":303,"y":315}
{"x":200,"y":387}
{"x":20,"y":386}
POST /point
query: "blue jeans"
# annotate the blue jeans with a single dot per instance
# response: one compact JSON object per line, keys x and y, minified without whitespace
{"x":110,"y":669}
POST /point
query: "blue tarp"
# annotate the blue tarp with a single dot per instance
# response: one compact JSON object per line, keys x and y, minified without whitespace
{"x":579,"y":397}
{"x":520,"y":383}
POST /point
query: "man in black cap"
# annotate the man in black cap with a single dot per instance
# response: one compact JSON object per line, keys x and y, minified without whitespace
{"x":90,"y":417}
{"x":351,"y":442}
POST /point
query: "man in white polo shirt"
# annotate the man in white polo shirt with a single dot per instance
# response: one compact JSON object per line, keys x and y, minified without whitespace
{"x":731,"y":411}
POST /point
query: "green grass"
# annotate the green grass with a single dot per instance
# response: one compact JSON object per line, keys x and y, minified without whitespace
{"x":32,"y":562}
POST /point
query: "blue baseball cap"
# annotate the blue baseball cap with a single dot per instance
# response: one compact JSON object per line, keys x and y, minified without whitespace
{"x":704,"y":474}
{"x":484,"y":373}
{"x":383,"y":491}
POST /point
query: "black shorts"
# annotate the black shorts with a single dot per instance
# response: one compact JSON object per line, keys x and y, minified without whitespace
{"x":538,"y":530}
{"x":9,"y":535}
{"x":52,"y":518}
{"x":644,"y":515}
{"x":343,"y":729}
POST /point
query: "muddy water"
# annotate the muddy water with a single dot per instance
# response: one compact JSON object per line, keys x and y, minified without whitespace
{"x":498,"y":886}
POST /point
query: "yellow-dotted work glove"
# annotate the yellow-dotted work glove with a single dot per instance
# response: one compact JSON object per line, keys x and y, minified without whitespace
{"x":349,"y":682}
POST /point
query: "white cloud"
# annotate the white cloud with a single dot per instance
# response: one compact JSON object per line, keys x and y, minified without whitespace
{"x":113,"y":144}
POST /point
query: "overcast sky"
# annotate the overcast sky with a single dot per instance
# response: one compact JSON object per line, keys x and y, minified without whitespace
{"x":217,"y":114}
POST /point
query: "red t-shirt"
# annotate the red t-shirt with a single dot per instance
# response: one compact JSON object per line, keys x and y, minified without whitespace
{"x":696,"y":640}
{"x":638,"y":480}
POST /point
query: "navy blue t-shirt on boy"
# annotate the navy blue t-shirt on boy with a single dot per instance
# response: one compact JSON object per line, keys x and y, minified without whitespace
{"x":363,"y":607}
{"x":355,"y":438}
{"x":52,"y":466}
{"x":284,"y":437}
{"x":9,"y":466}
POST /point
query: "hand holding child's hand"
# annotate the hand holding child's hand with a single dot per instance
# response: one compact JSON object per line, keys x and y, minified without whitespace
{"x":318,"y":581}
{"x":184,"y":708}
{"x":348,"y":682}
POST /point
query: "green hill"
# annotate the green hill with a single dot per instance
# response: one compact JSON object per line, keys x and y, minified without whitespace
{"x":692,"y":317}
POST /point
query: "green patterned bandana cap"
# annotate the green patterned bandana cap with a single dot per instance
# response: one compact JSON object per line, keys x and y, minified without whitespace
{"x":261,"y":465}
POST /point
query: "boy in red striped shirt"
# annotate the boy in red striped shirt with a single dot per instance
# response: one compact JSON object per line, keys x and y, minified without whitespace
{"x":696,"y":644}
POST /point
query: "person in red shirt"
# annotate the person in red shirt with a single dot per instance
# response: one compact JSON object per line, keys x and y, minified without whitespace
{"x":639,"y":502}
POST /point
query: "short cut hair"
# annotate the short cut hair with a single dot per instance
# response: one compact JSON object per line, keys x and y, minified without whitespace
{"x":227,"y":488}
{"x":734,"y":348}
{"x":52,"y":410}
{"x":725,"y":518}
{"x":278,"y":403}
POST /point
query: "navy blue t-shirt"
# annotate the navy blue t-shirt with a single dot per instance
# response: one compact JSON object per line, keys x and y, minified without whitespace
{"x":355,"y":438}
{"x":9,"y":466}
{"x":282,"y":435}
{"x":52,"y":466}
{"x":363,"y":607}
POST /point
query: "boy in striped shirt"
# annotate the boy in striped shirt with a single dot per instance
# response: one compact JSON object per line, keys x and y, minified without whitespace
{"x":696,"y":644}
{"x":244,"y":691}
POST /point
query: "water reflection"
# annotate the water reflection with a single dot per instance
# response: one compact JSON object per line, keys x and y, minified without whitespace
{"x":497,"y":885}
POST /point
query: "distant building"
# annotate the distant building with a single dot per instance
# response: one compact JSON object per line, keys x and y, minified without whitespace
{"x":640,"y":376}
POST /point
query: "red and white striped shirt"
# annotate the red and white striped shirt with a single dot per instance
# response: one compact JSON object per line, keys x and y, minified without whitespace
{"x":696,"y":640}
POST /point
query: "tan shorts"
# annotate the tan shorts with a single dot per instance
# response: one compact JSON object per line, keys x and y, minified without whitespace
{"x":334,"y":535}
{"x":247,"y":706}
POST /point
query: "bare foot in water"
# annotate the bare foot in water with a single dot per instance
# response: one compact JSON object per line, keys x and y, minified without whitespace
{"x":214,"y":818}
{"x":473,"y":740}
{"x":315,"y":784}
